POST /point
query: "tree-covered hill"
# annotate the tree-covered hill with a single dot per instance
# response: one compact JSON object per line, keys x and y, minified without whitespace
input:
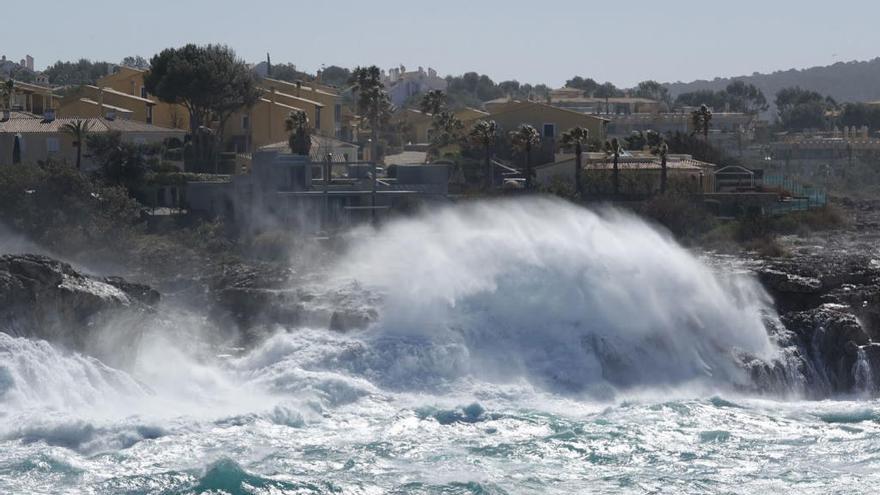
{"x":843,"y":81}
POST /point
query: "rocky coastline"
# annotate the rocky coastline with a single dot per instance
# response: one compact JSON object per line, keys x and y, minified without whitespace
{"x":826,"y":292}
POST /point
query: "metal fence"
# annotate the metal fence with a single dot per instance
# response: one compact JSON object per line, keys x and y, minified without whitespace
{"x":800,"y":197}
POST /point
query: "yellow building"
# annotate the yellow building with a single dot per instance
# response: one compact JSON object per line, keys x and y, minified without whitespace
{"x":315,"y":110}
{"x":33,"y":98}
{"x":574,"y":99}
{"x":331,"y":118}
{"x":261,"y":125}
{"x":96,"y":102}
{"x":417,"y":126}
{"x":130,"y":81}
{"x":247,"y":129}
{"x":39,"y":139}
{"x":550,"y":121}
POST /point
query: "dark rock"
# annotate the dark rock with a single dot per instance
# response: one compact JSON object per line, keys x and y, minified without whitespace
{"x":780,"y":281}
{"x":251,"y":306}
{"x":346,"y":320}
{"x":829,"y":338}
{"x":871,"y":352}
{"x":45,"y":298}
{"x":791,"y":291}
{"x":252,"y":294}
{"x":140,"y":292}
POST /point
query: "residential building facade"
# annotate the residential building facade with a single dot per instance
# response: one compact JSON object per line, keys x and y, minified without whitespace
{"x":99,"y":102}
{"x":130,"y":81}
{"x":639,"y":175}
{"x":401,"y":85}
{"x":40,"y":139}
{"x":417,"y":126}
{"x":550,"y":121}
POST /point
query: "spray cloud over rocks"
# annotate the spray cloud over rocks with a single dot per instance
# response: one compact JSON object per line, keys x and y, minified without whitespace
{"x":565,"y":297}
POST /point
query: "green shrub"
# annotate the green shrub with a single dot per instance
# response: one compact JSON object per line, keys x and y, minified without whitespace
{"x":686,"y":219}
{"x":55,"y":205}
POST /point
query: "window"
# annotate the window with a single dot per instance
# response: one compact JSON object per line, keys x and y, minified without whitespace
{"x":337,"y":113}
{"x":143,"y":92}
{"x":245,"y":122}
{"x":549,"y":131}
{"x":149,"y":114}
{"x":317,"y":117}
{"x":52,"y":145}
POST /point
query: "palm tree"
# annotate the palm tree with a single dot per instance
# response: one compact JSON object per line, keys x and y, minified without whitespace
{"x":702,"y":119}
{"x":433,"y":102}
{"x":78,"y":129}
{"x":299,"y":133}
{"x":523,"y":139}
{"x":447,"y":130}
{"x":7,"y":91}
{"x":577,"y":137}
{"x":375,"y":107}
{"x":662,"y":151}
{"x":372,"y":101}
{"x":483,"y":134}
{"x":613,"y":150}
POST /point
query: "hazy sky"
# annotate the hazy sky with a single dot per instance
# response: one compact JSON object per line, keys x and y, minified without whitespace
{"x":622,"y":41}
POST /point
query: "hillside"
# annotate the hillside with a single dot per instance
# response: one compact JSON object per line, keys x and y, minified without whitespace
{"x":844,"y":81}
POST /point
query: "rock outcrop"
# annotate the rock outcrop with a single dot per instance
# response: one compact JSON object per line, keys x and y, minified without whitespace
{"x":828,"y":299}
{"x":44,"y":298}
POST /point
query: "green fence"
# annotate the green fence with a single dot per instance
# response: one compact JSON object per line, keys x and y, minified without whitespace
{"x":802,"y":197}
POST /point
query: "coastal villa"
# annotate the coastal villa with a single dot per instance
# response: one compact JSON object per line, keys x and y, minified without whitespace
{"x":103,"y":102}
{"x":417,"y":126}
{"x":574,"y":99}
{"x":264,"y":123}
{"x":282,"y":191}
{"x":130,"y":81}
{"x":39,"y":139}
{"x":331,"y":118}
{"x":639,"y":173}
{"x":550,"y":121}
{"x":246,"y":130}
{"x":33,"y":98}
{"x":401,"y":85}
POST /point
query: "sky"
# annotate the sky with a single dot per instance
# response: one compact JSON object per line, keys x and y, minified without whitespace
{"x":536,"y":42}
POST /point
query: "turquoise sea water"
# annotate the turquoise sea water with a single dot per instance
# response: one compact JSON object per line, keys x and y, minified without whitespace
{"x":281,"y":422}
